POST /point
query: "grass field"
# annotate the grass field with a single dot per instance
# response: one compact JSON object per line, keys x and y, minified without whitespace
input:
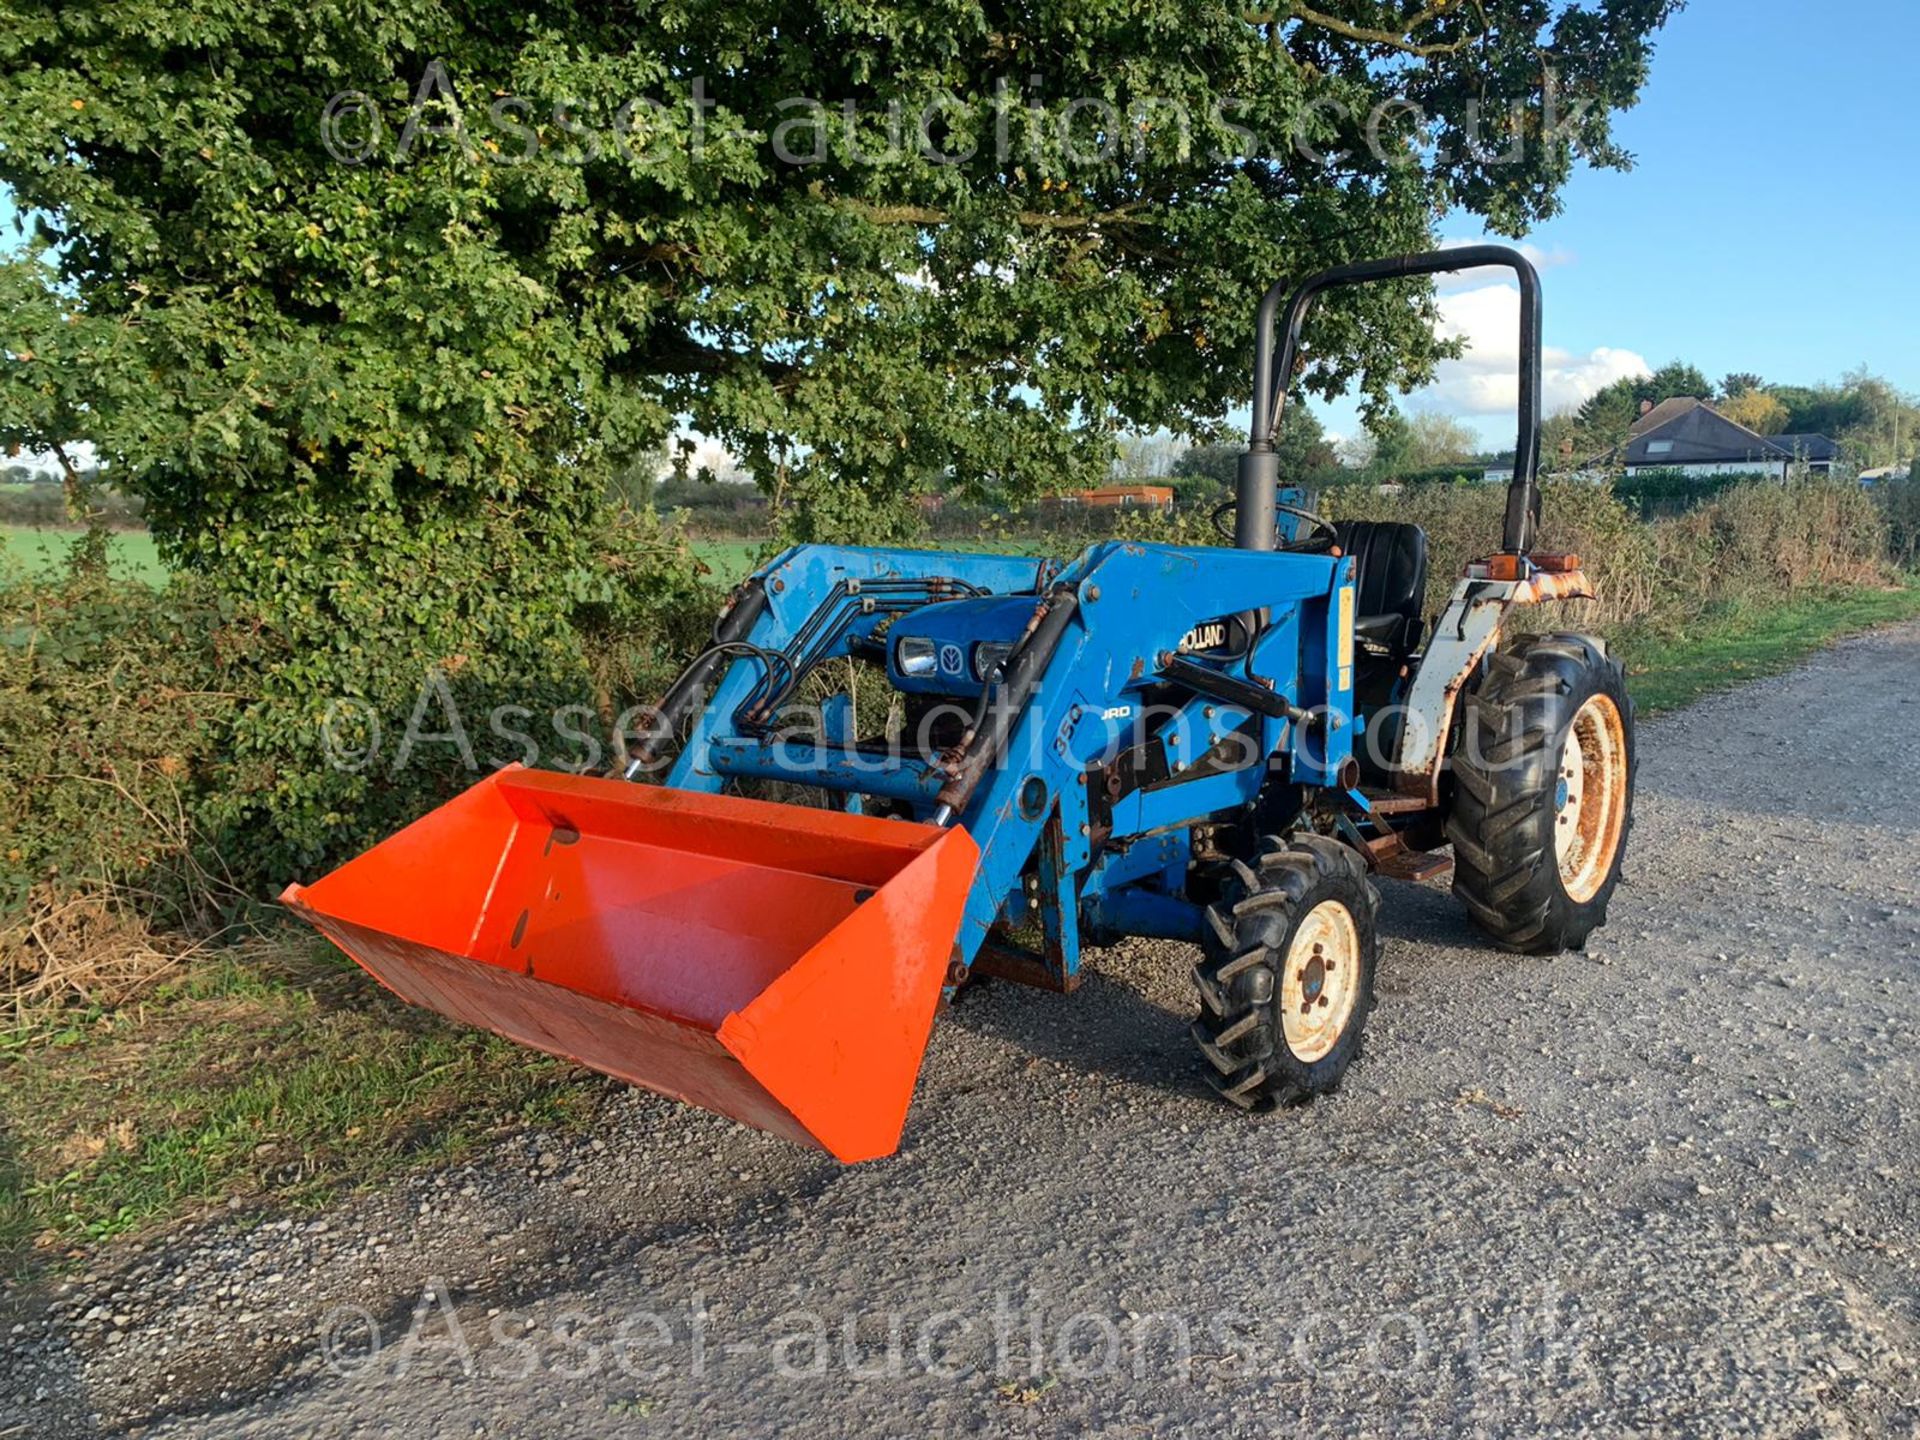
{"x":44,"y":550}
{"x":730,"y":560}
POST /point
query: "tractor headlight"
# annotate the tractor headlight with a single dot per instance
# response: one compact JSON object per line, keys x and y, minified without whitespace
{"x":989,"y":656}
{"x":914,"y":655}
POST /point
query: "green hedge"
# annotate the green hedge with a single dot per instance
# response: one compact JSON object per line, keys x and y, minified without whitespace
{"x":1655,"y":493}
{"x":208,"y":751}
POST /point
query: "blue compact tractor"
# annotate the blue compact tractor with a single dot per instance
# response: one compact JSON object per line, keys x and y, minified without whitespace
{"x":895,"y":770}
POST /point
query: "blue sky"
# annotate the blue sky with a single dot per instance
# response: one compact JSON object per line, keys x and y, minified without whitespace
{"x":1771,"y":223}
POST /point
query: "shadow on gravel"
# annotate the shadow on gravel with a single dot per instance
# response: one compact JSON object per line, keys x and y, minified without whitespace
{"x":1424,"y":915}
{"x":1105,"y":1027}
{"x":711,"y":1221}
{"x":41,"y":1393}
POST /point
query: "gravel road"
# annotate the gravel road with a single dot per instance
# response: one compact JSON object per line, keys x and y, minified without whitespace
{"x":1666,"y":1186}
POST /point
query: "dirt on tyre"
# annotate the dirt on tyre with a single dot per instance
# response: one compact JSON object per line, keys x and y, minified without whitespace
{"x":1286,"y":982}
{"x":1543,"y":793}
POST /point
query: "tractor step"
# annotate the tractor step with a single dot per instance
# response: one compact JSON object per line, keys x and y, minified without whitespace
{"x":1393,"y":858}
{"x":1391,"y":803}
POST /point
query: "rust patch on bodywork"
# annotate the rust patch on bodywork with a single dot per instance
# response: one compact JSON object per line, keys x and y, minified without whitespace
{"x":1543,"y":586}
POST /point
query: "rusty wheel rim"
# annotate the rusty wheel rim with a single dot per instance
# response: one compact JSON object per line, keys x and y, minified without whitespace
{"x":1590,"y":797}
{"x":1320,"y":980}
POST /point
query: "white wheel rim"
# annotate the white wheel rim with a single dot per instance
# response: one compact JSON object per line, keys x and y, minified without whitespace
{"x":1590,"y":798}
{"x":1319,"y":981}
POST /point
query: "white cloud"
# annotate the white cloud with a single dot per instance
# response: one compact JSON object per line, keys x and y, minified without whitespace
{"x":80,"y":453}
{"x":1485,"y":381}
{"x":1473,"y":279}
{"x":707,"y":454}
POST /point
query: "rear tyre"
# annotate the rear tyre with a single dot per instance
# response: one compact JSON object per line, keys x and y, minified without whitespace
{"x":1286,"y":984}
{"x":1543,"y":793}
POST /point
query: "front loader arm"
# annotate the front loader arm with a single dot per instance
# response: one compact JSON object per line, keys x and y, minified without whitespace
{"x":1088,"y":741}
{"x":1105,"y":752}
{"x":809,"y":605}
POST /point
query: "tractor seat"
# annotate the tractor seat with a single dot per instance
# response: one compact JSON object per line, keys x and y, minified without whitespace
{"x":1390,"y":583}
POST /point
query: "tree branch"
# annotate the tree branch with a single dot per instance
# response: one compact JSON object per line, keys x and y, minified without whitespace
{"x":676,"y":353}
{"x":1403,"y":41}
{"x":73,"y":486}
{"x":671,"y":253}
{"x":1032,"y":219}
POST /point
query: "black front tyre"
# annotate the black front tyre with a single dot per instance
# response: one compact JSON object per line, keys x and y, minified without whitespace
{"x":1287,"y":979}
{"x":1543,"y":793}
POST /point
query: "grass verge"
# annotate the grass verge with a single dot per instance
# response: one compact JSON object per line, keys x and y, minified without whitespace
{"x":271,"y":1071}
{"x":1735,"y":644}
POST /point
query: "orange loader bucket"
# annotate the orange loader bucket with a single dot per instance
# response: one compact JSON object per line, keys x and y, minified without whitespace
{"x":778,"y":964}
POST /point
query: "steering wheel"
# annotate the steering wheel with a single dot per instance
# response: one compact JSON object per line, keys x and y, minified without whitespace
{"x":1320,"y":537}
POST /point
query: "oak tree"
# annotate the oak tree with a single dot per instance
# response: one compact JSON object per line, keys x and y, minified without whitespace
{"x":371,"y":302}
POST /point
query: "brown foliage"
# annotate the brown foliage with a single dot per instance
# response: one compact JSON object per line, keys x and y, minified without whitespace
{"x":1750,"y":542}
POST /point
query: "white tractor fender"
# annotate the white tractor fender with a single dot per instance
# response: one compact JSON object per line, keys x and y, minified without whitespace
{"x":1466,"y":631}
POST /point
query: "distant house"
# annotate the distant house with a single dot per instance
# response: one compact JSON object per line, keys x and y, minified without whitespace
{"x":1115,"y":497}
{"x":1885,"y":475}
{"x":1693,"y":438}
{"x":1816,"y":452}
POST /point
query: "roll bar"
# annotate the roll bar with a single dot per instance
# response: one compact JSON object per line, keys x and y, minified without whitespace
{"x":1260,"y":466}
